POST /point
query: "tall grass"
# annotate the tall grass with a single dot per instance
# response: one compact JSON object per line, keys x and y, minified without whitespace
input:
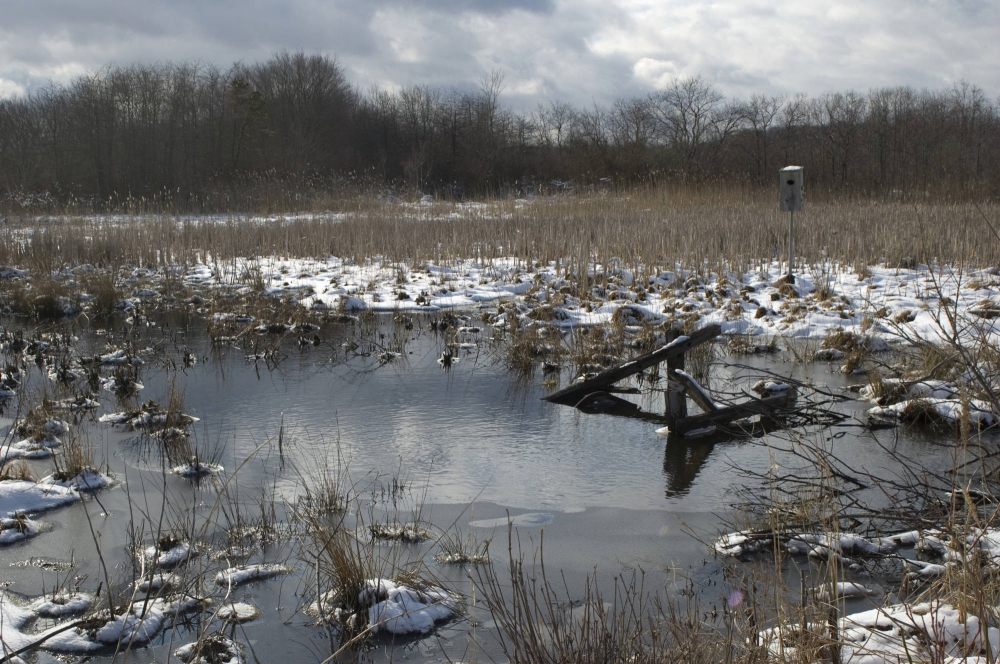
{"x":659,"y":226}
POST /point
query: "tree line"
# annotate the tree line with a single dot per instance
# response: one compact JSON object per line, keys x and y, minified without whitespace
{"x":140,"y":130}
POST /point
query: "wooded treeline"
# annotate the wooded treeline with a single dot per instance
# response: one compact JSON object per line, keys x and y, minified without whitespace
{"x":141,"y":130}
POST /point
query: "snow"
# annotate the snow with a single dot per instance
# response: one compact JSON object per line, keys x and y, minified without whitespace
{"x":236,"y":575}
{"x":29,"y":448}
{"x":111,"y":385}
{"x":930,"y":631}
{"x":843,"y":589}
{"x":143,"y":622}
{"x":197,"y":469}
{"x":948,"y":410}
{"x":21,"y":496}
{"x":173,"y":556}
{"x":158,"y":581}
{"x":15,"y":530}
{"x":79,"y":403}
{"x":405,"y":610}
{"x":62,"y":604}
{"x":821,"y":544}
{"x":119,"y":358}
{"x":701,"y":390}
{"x":224,"y":651}
{"x":238,"y":612}
{"x":87,"y":479}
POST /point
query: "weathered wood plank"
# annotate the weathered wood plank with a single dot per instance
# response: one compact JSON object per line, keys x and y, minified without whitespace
{"x":768,"y":405}
{"x":695,"y":391}
{"x":571,"y":394}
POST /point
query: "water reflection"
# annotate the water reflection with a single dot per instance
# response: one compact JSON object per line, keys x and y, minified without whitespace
{"x":682,"y":461}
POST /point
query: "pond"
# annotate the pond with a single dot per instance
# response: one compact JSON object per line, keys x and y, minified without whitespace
{"x":461,"y":451}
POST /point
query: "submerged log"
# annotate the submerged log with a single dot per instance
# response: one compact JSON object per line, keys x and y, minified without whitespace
{"x":572,"y":394}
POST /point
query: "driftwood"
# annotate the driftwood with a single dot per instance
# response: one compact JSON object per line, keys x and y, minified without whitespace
{"x":767,"y":406}
{"x":595,"y":394}
{"x":572,"y":394}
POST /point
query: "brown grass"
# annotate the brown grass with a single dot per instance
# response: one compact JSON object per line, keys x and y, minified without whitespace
{"x":648,"y":226}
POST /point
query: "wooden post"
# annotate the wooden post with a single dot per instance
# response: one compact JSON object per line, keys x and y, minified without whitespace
{"x":675,"y":397}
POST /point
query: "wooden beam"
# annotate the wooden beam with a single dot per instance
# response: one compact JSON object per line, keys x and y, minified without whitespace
{"x":695,"y":391}
{"x":571,"y":394}
{"x":768,"y":406}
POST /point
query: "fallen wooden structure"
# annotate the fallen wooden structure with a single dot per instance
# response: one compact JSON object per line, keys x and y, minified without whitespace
{"x":597,"y":393}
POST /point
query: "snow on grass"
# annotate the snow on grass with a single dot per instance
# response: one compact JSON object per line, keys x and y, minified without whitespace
{"x":22,"y":496}
{"x":816,"y":545}
{"x":238,"y":612}
{"x":75,"y":404}
{"x":149,"y":416}
{"x":843,"y":590}
{"x":397,"y":532}
{"x":62,"y":604}
{"x":212,"y":649}
{"x":29,"y":448}
{"x":400,"y":609}
{"x":233,"y":576}
{"x":167,"y":553}
{"x":948,"y":411}
{"x":158,"y":581}
{"x":87,"y":479}
{"x":930,"y":631}
{"x":144,"y":621}
{"x":196,"y":468}
{"x":17,"y":529}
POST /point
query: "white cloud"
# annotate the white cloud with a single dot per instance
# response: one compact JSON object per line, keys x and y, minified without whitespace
{"x":10,"y":88}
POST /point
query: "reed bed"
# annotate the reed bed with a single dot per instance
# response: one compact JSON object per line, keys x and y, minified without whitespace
{"x":642,"y":229}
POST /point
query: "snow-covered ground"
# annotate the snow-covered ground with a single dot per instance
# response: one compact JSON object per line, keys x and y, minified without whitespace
{"x":879,"y":300}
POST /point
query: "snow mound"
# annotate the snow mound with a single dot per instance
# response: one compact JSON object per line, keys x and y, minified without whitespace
{"x":902,"y":633}
{"x":87,"y":479}
{"x":17,"y":529}
{"x":238,"y":612}
{"x":213,"y":649}
{"x":168,"y":555}
{"x":405,"y":610}
{"x":197,"y":469}
{"x":236,"y":575}
{"x":21,"y":496}
{"x":62,"y":604}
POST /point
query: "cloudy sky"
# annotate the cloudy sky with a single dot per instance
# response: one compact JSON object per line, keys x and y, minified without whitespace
{"x":573,"y":50}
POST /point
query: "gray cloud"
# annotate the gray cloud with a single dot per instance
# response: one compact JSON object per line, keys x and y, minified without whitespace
{"x":575,"y":50}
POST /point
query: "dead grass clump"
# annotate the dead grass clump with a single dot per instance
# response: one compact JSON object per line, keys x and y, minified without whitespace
{"x":936,"y":361}
{"x":214,"y":648}
{"x":788,"y":290}
{"x":456,"y":549}
{"x":546,"y":312}
{"x":409,"y":533}
{"x":628,"y":315}
{"x":540,"y":623}
{"x":522,"y":348}
{"x":38,"y":424}
{"x":904,"y":316}
{"x":923,"y":413}
{"x":124,"y":381}
{"x":843,"y":340}
{"x":105,"y":297}
{"x":748,"y":344}
{"x":16,"y":470}
{"x":883,"y":392}
{"x":699,"y":360}
{"x":855,"y":361}
{"x":74,"y":459}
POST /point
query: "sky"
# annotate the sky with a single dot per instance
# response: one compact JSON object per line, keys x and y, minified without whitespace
{"x":578,"y":51}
